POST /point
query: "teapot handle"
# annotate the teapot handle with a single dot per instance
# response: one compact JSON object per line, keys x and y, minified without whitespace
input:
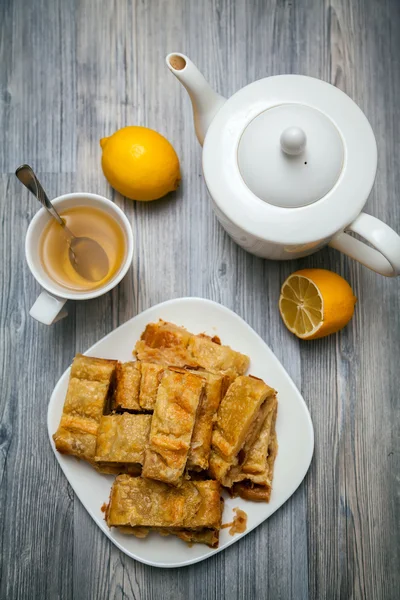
{"x":385,"y":259}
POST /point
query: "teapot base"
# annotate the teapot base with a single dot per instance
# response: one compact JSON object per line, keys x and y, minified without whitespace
{"x":264,"y":248}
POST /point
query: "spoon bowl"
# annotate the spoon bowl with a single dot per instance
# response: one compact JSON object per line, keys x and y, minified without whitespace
{"x":87,"y":256}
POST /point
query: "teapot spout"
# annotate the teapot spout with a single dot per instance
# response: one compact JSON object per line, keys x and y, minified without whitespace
{"x":205,"y":101}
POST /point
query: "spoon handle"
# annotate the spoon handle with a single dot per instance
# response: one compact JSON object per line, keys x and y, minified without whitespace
{"x":26,"y":176}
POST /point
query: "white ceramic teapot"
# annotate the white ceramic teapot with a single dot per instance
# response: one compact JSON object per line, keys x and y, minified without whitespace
{"x":289,"y":162}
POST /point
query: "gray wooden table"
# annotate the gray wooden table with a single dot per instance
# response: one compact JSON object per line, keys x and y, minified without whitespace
{"x":74,"y":71}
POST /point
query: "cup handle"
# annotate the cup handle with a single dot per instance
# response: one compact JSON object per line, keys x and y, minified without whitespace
{"x":384,"y":258}
{"x":48,"y":309}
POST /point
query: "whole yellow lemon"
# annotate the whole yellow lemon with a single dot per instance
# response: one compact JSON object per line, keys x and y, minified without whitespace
{"x":140,"y":163}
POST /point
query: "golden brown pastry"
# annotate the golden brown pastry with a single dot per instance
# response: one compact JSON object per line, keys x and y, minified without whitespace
{"x":151,"y":377}
{"x":214,"y":357}
{"x":165,"y":343}
{"x":76,"y":436}
{"x":127,"y":386}
{"x":93,"y":369}
{"x":86,"y":398}
{"x":240,"y":418}
{"x":255,"y":467}
{"x":209,"y":420}
{"x":192,"y":512}
{"x":121,"y":443}
{"x":257,"y":484}
{"x":178,"y":397}
{"x":201,"y":438}
{"x":89,"y":387}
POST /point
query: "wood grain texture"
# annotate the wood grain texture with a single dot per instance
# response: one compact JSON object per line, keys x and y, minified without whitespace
{"x":73,"y":72}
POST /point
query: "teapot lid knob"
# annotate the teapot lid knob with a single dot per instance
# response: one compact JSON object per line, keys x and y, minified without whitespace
{"x":293,"y":141}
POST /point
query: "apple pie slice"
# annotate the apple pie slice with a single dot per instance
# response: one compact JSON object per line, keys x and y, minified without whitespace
{"x":240,"y":418}
{"x":258,"y":470}
{"x":90,"y":384}
{"x":93,"y":369}
{"x":164,"y":343}
{"x":136,"y":386}
{"x":178,"y":397}
{"x":151,"y":377}
{"x":200,"y":444}
{"x":121,"y":443}
{"x":209,"y":354}
{"x":192,"y":512}
{"x":167,"y":344}
{"x":127,"y":386}
{"x":253,"y":476}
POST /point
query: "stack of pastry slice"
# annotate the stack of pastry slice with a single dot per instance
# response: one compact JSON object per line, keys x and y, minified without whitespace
{"x":175,"y":426}
{"x":90,"y":387}
{"x":244,"y":440}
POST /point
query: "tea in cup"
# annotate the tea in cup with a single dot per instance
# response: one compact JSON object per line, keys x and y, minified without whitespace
{"x":47,"y":252}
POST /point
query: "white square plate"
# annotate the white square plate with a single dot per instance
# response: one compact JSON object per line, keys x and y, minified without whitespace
{"x":294,"y":429}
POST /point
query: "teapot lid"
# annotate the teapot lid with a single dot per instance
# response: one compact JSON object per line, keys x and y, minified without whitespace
{"x":290,"y":159}
{"x":290,"y":155}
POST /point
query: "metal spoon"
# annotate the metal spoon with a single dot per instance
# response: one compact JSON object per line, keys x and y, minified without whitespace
{"x":86,"y":255}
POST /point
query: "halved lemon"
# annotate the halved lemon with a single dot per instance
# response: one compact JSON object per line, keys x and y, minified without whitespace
{"x":315,"y":303}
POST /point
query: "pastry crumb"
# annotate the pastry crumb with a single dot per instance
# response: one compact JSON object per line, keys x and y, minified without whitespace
{"x":104,"y":507}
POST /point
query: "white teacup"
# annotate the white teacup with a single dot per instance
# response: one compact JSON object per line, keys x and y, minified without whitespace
{"x":49,"y":307}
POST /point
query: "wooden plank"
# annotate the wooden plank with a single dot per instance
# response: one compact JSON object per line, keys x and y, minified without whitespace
{"x":74,"y":72}
{"x":36,"y":504}
{"x":350,"y":501}
{"x":37,"y":116}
